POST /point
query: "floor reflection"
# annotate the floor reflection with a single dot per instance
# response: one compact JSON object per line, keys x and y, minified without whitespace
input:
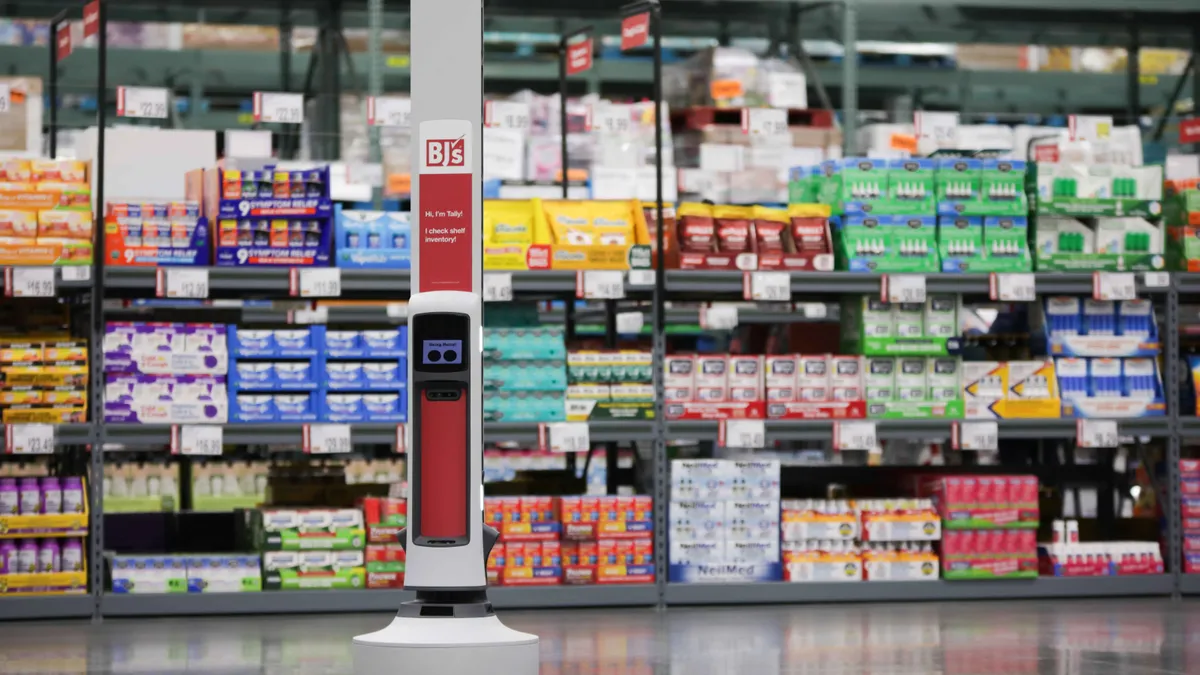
{"x":1120,"y":637}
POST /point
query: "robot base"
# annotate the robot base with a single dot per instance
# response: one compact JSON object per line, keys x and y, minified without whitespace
{"x":446,"y":646}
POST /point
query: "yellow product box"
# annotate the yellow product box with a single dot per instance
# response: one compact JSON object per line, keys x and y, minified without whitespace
{"x":71,"y":524}
{"x":1032,"y":391}
{"x":57,"y":170}
{"x":18,"y":223}
{"x":51,"y":583}
{"x":64,"y":225}
{"x":44,"y":415}
{"x":597,"y":235}
{"x":22,"y":352}
{"x":63,"y":374}
{"x":65,"y":396}
{"x":515,"y":236}
{"x":10,"y":396}
{"x":65,"y":350}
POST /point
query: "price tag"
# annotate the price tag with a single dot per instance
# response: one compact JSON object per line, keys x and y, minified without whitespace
{"x":327,"y":439}
{"x":718,"y":317}
{"x":506,"y":115}
{"x":764,"y":123}
{"x":611,"y":118}
{"x":742,"y":434}
{"x":5,"y":98}
{"x":1157,"y":279}
{"x":310,"y":316}
{"x":813,"y":310}
{"x":282,"y":108}
{"x":204,"y":440}
{"x":630,"y":322}
{"x":1013,"y":287}
{"x":569,"y":437}
{"x":401,"y":438}
{"x":317,"y":282}
{"x":600,"y":285}
{"x":143,"y":102}
{"x":182,"y":283}
{"x":937,"y":130}
{"x":389,"y":111}
{"x":30,"y":282}
{"x":29,"y":439}
{"x":497,"y":287}
{"x":1114,"y":286}
{"x":1096,"y":434}
{"x":904,"y":288}
{"x":642,"y":278}
{"x":76,"y":273}
{"x":767,"y":286}
{"x":854,"y":436}
{"x":787,"y":90}
{"x":980,"y":436}
{"x":1090,"y":127}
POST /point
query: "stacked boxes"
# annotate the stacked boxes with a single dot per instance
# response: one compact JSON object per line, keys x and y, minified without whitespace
{"x":164,"y":373}
{"x":814,"y":386}
{"x":714,"y":386}
{"x":989,"y":525}
{"x":45,"y":212}
{"x":724,"y":520}
{"x":44,"y":380}
{"x":156,"y":234}
{"x":186,"y":573}
{"x":604,"y":384}
{"x":525,"y":375}
{"x":873,"y":540}
{"x":309,"y":548}
{"x":1012,"y":389}
{"x":385,"y":518}
{"x":1065,"y":556}
{"x":608,"y":540}
{"x":1189,"y":484}
{"x":372,"y":239}
{"x":529,"y":551}
{"x":365,"y":376}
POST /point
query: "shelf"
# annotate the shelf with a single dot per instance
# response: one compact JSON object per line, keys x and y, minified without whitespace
{"x":822,"y":430}
{"x":47,"y":607}
{"x":368,"y":433}
{"x":913,"y":591}
{"x":380,"y":600}
{"x":1186,"y":282}
{"x":1189,"y":584}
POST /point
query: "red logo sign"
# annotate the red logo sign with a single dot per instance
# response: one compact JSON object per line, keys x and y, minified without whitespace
{"x":1045,"y":153}
{"x":635,"y":31}
{"x":64,"y":40}
{"x":1189,"y":131}
{"x":440,"y":152}
{"x":91,"y":19}
{"x":579,"y":56}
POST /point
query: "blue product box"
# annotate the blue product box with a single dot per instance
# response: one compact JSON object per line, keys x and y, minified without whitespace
{"x":725,"y":573}
{"x":296,"y":375}
{"x":275,"y":376}
{"x":1099,"y":329}
{"x":344,"y":375}
{"x":247,"y":343}
{"x":384,"y":375}
{"x":373,"y":239}
{"x":365,"y":407}
{"x":297,"y":407}
{"x":366,"y":344}
{"x":544,"y":406}
{"x":252,"y":408}
{"x":265,"y":228}
{"x":1116,"y":388}
{"x":252,"y":376}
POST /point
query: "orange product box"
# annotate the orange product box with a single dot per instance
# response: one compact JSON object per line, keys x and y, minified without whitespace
{"x":510,"y":509}
{"x":569,"y":553}
{"x":70,"y":396}
{"x":227,"y":233}
{"x":589,"y":553}
{"x":64,"y":225}
{"x":18,"y":223}
{"x":624,"y":552}
{"x":497,"y":556}
{"x":606,"y":552}
{"x":15,"y":170}
{"x":528,"y":510}
{"x":67,"y":195}
{"x":231,"y":184}
{"x":643,"y":508}
{"x":591,"y":509}
{"x":516,"y":553}
{"x":627,"y":508}
{"x":552,"y":555}
{"x":64,"y":351}
{"x":643,"y":552}
{"x":57,"y":170}
{"x":21,"y":396}
{"x":493,"y":513}
{"x":493,"y":576}
{"x":547,"y":507}
{"x":385,"y":579}
{"x":22,"y":352}
{"x":610,"y":510}
{"x":279,"y":235}
{"x":569,"y":509}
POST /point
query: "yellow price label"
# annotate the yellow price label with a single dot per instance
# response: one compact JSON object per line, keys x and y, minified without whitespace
{"x":245,"y":118}
{"x":400,"y":61}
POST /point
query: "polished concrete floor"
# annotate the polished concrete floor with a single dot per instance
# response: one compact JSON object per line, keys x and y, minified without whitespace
{"x":1112,"y":637}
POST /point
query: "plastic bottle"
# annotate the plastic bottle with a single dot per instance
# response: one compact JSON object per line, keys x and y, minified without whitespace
{"x":27,"y":556}
{"x":49,"y":557}
{"x":10,"y":497}
{"x":51,"y":496}
{"x":72,"y":556}
{"x":72,"y":495}
{"x":31,"y":496}
{"x":8,"y":557}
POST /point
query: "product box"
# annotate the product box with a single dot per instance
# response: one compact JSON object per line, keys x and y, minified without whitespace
{"x":388,"y":343}
{"x":697,"y":521}
{"x":985,"y":502}
{"x":149,"y":574}
{"x":364,"y":407}
{"x":223,"y":574}
{"x":804,"y":564}
{"x":372,"y":239}
{"x":286,"y":343}
{"x":305,"y":529}
{"x":989,"y":554}
{"x":165,"y":399}
{"x":165,"y":348}
{"x":745,"y":378}
{"x":313,"y":570}
{"x":701,"y":480}
{"x":900,"y":566}
{"x":753,"y":480}
{"x":156,"y":234}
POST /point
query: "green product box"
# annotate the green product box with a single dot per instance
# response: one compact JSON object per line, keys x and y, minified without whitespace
{"x":983,"y":521}
{"x":984,"y":244}
{"x":883,"y":243}
{"x":911,"y":188}
{"x":306,"y":529}
{"x":905,"y":410}
{"x":293,"y":580}
{"x":920,"y":346}
{"x":1091,"y":191}
{"x":804,"y":184}
{"x":963,"y":571}
{"x":1182,"y":208}
{"x":958,"y":179}
{"x":386,"y":567}
{"x":313,"y":570}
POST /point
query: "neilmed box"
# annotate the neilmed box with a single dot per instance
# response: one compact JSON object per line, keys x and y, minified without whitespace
{"x":699,"y":480}
{"x":697,"y":520}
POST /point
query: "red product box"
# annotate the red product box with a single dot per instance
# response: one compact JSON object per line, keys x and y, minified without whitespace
{"x":1023,"y":490}
{"x":1191,"y":507}
{"x":1190,"y":487}
{"x":1191,"y":525}
{"x":385,"y":579}
{"x":385,"y":553}
{"x":643,"y":506}
{"x":493,"y":512}
{"x":372,"y":508}
{"x":498,"y":556}
{"x":395,"y":510}
{"x":569,"y":550}
{"x":526,"y":511}
{"x":624,"y":552}
{"x":610,"y":510}
{"x":606,"y":552}
{"x":643,"y":552}
{"x":627,"y":509}
{"x":570,"y":510}
{"x":591,"y":509}
{"x":515,"y":554}
{"x":1189,"y":468}
{"x":1191,"y":543}
{"x":552,"y":555}
{"x":493,"y":576}
{"x":589,"y":553}
{"x":1191,"y":563}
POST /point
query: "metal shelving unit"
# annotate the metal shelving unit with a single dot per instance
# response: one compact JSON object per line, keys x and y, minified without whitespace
{"x":28,"y":608}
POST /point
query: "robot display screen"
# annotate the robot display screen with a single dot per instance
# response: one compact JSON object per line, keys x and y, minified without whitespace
{"x":441,"y":352}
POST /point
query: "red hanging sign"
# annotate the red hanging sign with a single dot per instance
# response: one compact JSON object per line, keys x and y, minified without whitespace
{"x":635,"y":31}
{"x":1189,"y":131}
{"x":63,"y":40}
{"x":579,"y":56}
{"x":91,"y":19}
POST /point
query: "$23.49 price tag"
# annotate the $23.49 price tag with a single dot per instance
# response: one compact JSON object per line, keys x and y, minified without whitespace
{"x":29,"y":439}
{"x":200,"y":440}
{"x":327,"y":439}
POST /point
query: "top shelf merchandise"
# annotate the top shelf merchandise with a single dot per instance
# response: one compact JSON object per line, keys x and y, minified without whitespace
{"x":45,"y":212}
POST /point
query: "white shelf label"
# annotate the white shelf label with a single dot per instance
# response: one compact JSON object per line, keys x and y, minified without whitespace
{"x":938,"y":130}
{"x":1090,"y":127}
{"x":143,"y":102}
{"x":32,"y":282}
{"x":569,"y":437}
{"x":1096,"y":434}
{"x":743,"y":434}
{"x":1020,"y":287}
{"x":855,"y":436}
{"x":309,"y":316}
{"x":642,"y":278}
{"x":320,"y":282}
{"x":905,"y":288}
{"x":278,"y":107}
{"x":327,"y":439}
{"x":201,"y":440}
{"x":630,"y":322}
{"x":183,"y":283}
{"x":29,"y":439}
{"x":76,"y":273}
{"x":389,"y":111}
{"x":1157,"y":279}
{"x":1114,"y":286}
{"x":497,"y":287}
{"x":602,"y":285}
{"x":506,"y":115}
{"x":787,"y":90}
{"x":813,"y":310}
{"x":980,"y":436}
{"x":719,"y":317}
{"x":5,"y":98}
{"x":768,"y":286}
{"x":764,"y":124}
{"x":401,"y":438}
{"x":610,"y":118}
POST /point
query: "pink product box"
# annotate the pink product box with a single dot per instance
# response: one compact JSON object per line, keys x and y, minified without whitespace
{"x":1191,"y":543}
{"x":1191,"y":525}
{"x":679,"y":378}
{"x":1189,"y":468}
{"x":1191,"y":563}
{"x":781,"y":378}
{"x":712,"y":378}
{"x":1191,"y":507}
{"x":1189,"y":487}
{"x":745,"y":378}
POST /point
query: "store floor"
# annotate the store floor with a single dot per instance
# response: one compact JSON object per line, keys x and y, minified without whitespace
{"x":1129,"y":637}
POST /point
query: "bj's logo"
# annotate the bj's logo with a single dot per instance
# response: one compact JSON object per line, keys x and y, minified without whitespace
{"x":445,"y":152}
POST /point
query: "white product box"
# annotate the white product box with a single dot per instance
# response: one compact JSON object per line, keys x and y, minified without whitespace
{"x":942,"y":374}
{"x":751,"y":520}
{"x":721,"y":157}
{"x":697,"y":552}
{"x":752,"y":552}
{"x":782,"y":378}
{"x":877,"y":318}
{"x":845,"y":378}
{"x":697,"y":521}
{"x":679,"y":382}
{"x":699,"y":480}
{"x":911,"y":381}
{"x":908,"y":318}
{"x":752,"y":480}
{"x":941,"y":316}
{"x":901,"y":570}
{"x":712,"y":379}
{"x":745,"y":378}
{"x":223,"y":573}
{"x":813,"y":377}
{"x":1031,"y":380}
{"x":880,"y":378}
{"x":842,"y":570}
{"x":281,"y":560}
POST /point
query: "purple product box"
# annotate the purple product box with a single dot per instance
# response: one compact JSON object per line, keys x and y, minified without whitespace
{"x":165,"y":348}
